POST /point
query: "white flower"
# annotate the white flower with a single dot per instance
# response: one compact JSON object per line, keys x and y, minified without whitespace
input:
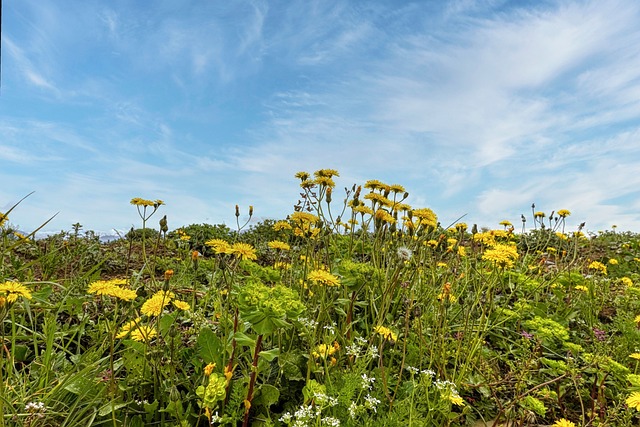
{"x":404,"y":253}
{"x":371,"y":402}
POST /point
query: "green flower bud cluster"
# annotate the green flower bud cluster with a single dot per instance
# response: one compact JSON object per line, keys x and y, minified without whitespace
{"x":214,"y":392}
{"x":267,"y":308}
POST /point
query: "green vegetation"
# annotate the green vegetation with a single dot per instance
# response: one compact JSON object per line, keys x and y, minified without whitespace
{"x":365,"y":312}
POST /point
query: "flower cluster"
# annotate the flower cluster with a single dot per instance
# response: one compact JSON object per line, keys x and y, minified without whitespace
{"x":112,"y":288}
{"x":502,"y":255}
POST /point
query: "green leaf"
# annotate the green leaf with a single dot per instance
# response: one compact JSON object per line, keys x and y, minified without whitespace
{"x":209,"y":346}
{"x":270,"y":355}
{"x":268,"y":395}
{"x":110,"y":407}
{"x":244,"y":340}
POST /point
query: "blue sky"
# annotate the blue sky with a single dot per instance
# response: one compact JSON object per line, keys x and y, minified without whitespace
{"x":476,"y":107}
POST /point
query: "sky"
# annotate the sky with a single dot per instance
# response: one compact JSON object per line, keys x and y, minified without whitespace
{"x":478,"y":108}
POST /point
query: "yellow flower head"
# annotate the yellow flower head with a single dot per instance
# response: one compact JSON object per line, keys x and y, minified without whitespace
{"x":635,"y":356}
{"x":323,"y":278}
{"x":324,"y":350}
{"x":562,"y":422}
{"x":154,"y":305}
{"x":282,"y":225}
{"x":11,"y":291}
{"x":137,"y":201}
{"x":276,"y":244}
{"x":209,"y":369}
{"x":456,"y":399}
{"x":386,"y":333}
{"x":219,"y":246}
{"x":563,"y":213}
{"x":243,"y":251}
{"x":181,"y":305}
{"x":144,"y":333}
{"x":598,"y":266}
{"x":502,"y":255}
{"x":633,"y":401}
{"x":112,"y":288}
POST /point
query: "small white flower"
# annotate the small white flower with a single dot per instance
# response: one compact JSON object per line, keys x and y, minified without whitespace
{"x":371,"y":403}
{"x":404,"y":253}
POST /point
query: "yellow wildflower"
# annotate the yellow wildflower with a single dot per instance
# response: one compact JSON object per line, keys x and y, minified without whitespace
{"x":13,"y":290}
{"x":137,"y":201}
{"x":127,"y":327}
{"x":596,"y":265}
{"x":635,"y":356}
{"x":324,"y":350}
{"x":581,"y":288}
{"x":562,"y":422}
{"x":563,"y":213}
{"x":219,"y":246}
{"x":323,"y":278}
{"x":386,"y":333}
{"x":626,"y":281}
{"x":281,"y":225}
{"x":209,"y":369}
{"x":633,"y":401}
{"x":456,"y":399}
{"x":243,"y":251}
{"x":154,"y":305}
{"x":276,"y":244}
{"x":502,"y":255}
{"x":143,"y":333}
{"x":112,"y":288}
{"x":613,"y":261}
{"x":181,"y":305}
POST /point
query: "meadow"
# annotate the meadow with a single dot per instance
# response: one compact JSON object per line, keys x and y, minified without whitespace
{"x":357,"y":309}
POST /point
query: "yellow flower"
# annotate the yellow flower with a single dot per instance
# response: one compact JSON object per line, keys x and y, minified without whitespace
{"x":143,"y":333}
{"x":637,"y":319}
{"x":386,"y":333}
{"x":502,"y":255}
{"x":323,"y":278}
{"x":209,"y":369}
{"x":374,"y":184}
{"x":154,"y":305}
{"x":426,"y":216}
{"x":634,"y":400}
{"x":127,"y":327}
{"x":282,"y":265}
{"x":635,"y":356}
{"x":596,"y":265}
{"x":456,"y":400}
{"x":581,"y":288}
{"x":243,"y":251}
{"x":112,"y":288}
{"x":324,"y":350}
{"x":137,"y":201}
{"x":219,"y":246}
{"x":506,"y":223}
{"x":562,"y":422}
{"x":626,"y":281}
{"x":181,"y":305}
{"x":281,"y":225}
{"x":539,"y":214}
{"x":276,"y":244}
{"x":397,"y":188}
{"x":13,"y":290}
{"x":613,"y":261}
